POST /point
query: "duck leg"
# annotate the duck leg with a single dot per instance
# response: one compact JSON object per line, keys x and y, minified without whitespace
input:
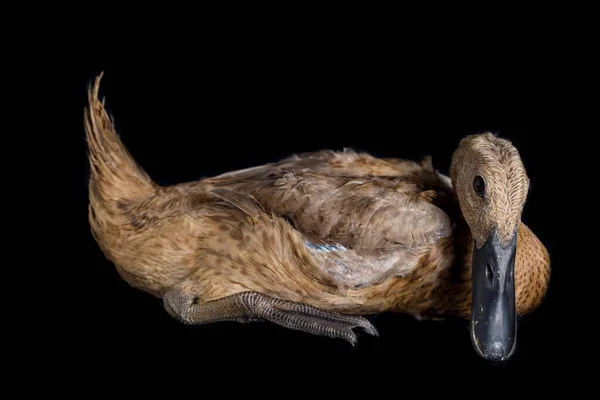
{"x":255,"y":306}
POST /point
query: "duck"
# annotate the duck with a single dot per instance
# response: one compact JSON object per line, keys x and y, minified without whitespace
{"x":319,"y":241}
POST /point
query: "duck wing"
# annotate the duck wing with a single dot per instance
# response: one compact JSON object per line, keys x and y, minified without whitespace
{"x":340,"y":198}
{"x":330,"y":163}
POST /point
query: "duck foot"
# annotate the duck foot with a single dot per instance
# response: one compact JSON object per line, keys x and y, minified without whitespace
{"x":254,"y":306}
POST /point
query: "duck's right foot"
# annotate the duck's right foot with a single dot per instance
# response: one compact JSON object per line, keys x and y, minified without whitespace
{"x":254,"y":306}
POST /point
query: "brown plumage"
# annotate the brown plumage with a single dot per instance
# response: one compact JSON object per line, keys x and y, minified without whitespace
{"x":318,"y":236}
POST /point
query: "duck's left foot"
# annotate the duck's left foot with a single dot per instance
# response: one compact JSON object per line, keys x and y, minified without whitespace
{"x":254,"y":306}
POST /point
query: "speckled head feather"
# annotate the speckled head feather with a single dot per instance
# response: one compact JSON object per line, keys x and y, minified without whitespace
{"x":506,"y":184}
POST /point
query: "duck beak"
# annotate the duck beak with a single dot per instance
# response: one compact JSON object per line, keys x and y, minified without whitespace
{"x":493,"y":313}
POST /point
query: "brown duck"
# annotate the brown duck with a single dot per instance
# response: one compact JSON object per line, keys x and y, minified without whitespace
{"x":315,"y":241}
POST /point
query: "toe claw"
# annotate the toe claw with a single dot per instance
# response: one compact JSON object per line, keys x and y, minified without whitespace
{"x":371,"y":330}
{"x":350,"y":337}
{"x":353,"y":342}
{"x":368,"y":327}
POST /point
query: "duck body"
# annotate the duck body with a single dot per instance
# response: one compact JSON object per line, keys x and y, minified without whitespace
{"x":388,"y":232}
{"x":319,"y":236}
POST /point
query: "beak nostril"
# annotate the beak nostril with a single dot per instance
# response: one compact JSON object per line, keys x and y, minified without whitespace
{"x":490,"y":273}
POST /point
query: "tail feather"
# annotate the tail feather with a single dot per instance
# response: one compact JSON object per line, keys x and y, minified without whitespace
{"x":116,"y":178}
{"x":117,"y":182}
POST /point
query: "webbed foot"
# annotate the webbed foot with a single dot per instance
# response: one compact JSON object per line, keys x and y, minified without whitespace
{"x":254,"y":306}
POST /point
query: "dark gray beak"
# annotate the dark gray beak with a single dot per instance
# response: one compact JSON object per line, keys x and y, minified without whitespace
{"x":493,"y":313}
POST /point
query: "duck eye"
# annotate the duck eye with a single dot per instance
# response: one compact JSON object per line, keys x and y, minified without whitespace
{"x":479,"y":186}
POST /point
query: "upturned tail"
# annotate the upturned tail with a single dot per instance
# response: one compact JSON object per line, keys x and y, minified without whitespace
{"x":117,"y":183}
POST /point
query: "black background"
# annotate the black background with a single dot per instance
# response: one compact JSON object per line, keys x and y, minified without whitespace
{"x":201,"y":108}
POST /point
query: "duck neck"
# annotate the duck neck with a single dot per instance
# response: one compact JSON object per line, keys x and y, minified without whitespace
{"x":532,"y":271}
{"x":532,"y":275}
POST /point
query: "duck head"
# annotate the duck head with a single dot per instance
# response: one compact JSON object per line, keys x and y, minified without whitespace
{"x":491,"y":184}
